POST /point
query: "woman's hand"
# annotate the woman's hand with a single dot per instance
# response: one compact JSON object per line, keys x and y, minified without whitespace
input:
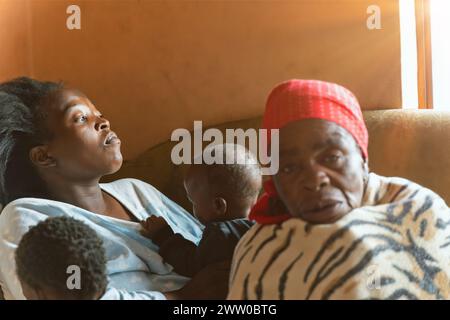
{"x":211,"y":283}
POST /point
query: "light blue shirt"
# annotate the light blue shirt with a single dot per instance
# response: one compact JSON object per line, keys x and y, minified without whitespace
{"x":133,"y":262}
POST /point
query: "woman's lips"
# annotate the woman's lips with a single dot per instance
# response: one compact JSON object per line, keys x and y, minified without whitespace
{"x":112,"y":139}
{"x":324,"y":210}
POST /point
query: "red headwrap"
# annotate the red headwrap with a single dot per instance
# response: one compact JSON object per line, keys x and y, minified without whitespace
{"x":296,"y":100}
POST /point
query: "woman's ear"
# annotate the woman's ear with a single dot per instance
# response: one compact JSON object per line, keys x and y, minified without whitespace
{"x":41,"y":157}
{"x":220,"y":206}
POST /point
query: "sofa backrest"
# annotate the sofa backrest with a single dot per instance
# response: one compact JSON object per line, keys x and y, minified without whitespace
{"x":413,"y":144}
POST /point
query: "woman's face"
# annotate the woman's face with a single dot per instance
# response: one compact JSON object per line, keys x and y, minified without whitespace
{"x":321,"y":176}
{"x":82,"y":145}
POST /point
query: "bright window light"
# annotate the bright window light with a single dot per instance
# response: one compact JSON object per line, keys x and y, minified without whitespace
{"x":409,"y":54}
{"x":440,"y":48}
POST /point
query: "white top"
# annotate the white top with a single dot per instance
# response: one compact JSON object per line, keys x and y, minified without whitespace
{"x":133,"y":262}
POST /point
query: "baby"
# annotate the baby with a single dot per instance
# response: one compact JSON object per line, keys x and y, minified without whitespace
{"x":62,"y":258}
{"x":222,"y":196}
{"x":53,"y":250}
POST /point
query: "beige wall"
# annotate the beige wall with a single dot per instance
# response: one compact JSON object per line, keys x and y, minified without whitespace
{"x":153,"y":66}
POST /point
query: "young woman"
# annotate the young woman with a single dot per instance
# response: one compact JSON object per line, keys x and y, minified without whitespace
{"x":54,"y":148}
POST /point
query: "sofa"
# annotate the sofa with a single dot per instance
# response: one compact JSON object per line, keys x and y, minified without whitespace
{"x":406,"y":143}
{"x":402,"y":142}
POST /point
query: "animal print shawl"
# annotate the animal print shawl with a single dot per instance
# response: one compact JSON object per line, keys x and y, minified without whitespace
{"x":396,"y":246}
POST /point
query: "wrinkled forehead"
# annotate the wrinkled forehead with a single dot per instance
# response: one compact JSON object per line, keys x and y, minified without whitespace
{"x":312,"y":134}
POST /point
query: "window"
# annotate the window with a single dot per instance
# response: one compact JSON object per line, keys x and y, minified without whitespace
{"x":440,"y":53}
{"x":425,"y":43}
{"x":408,"y":54}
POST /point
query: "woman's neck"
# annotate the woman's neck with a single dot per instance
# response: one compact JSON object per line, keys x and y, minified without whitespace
{"x":87,"y":195}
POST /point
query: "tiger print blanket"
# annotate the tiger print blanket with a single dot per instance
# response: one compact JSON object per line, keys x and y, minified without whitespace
{"x":396,"y":246}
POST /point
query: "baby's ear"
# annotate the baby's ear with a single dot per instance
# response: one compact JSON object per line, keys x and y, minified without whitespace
{"x":220,"y":206}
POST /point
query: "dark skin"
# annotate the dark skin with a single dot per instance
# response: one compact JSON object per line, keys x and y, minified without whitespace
{"x":81,"y":150}
{"x":207,"y":203}
{"x":78,"y":154}
{"x":208,"y":206}
{"x":322,"y":171}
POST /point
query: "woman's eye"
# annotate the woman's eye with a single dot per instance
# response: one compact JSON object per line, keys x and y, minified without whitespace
{"x":81,"y":119}
{"x":333,"y":158}
{"x":288,"y":168}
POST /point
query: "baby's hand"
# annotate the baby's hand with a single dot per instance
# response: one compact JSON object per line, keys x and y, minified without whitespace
{"x":152,"y":226}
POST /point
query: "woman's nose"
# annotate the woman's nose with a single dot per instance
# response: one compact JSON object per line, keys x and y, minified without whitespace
{"x":102,"y":124}
{"x":315,"y":179}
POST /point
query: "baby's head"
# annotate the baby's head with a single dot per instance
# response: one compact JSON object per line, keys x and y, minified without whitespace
{"x":61,"y":258}
{"x":222,"y":192}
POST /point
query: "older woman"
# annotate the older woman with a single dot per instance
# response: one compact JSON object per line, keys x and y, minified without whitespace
{"x":54,"y":148}
{"x":329,"y":229}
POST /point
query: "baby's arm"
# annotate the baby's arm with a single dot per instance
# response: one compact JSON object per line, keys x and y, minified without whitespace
{"x":156,"y":228}
{"x":181,"y":254}
{"x":173,"y":247}
{"x":217,"y":244}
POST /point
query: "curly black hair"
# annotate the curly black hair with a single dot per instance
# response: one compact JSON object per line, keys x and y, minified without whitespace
{"x":22,"y":127}
{"x":47,"y":250}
